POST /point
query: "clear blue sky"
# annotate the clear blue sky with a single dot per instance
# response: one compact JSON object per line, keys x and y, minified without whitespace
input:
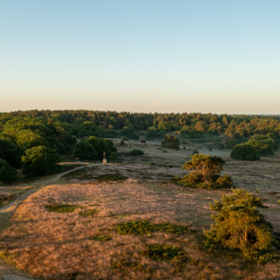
{"x":145,"y":56}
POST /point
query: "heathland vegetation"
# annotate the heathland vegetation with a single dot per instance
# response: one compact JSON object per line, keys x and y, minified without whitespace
{"x":146,"y":214}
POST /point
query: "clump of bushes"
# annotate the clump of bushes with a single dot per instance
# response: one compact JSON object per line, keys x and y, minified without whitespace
{"x":40,"y":160}
{"x":100,"y":238}
{"x":129,"y":132}
{"x":7,"y":173}
{"x":239,"y":225}
{"x":153,"y":133}
{"x":113,"y":156}
{"x":231,"y":143}
{"x":170,"y":142}
{"x":62,"y":208}
{"x":205,"y":173}
{"x":93,"y":148}
{"x":244,"y":152}
{"x":136,"y":152}
{"x":164,"y":252}
{"x":144,"y":227}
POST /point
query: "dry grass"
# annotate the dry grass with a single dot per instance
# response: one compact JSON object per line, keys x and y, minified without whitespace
{"x":75,"y":246}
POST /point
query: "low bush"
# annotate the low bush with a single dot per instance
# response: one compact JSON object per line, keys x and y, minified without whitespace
{"x":244,"y":152}
{"x":144,"y":227}
{"x":62,"y":208}
{"x":113,"y":156}
{"x":136,"y":152}
{"x":170,"y":142}
{"x":163,"y":252}
{"x":100,"y":238}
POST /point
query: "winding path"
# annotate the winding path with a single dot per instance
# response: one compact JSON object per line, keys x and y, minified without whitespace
{"x":12,"y":206}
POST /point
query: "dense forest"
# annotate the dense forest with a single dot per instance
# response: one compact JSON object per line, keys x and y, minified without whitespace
{"x":56,"y":133}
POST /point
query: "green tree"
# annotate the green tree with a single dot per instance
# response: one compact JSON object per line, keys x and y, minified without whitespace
{"x":162,"y":125}
{"x":93,"y":148}
{"x":40,"y":160}
{"x":170,"y":142}
{"x":205,"y":172}
{"x":201,"y":126}
{"x":7,"y":173}
{"x":244,"y":152}
{"x":10,"y":152}
{"x":238,"y":225}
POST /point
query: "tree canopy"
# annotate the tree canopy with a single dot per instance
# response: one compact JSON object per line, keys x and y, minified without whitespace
{"x":239,"y":225}
{"x":40,"y":160}
{"x":205,"y":173}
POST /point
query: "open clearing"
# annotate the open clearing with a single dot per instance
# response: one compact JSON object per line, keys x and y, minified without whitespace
{"x":81,"y":240}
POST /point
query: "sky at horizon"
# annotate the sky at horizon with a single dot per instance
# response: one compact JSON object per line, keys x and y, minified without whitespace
{"x":141,"y":56}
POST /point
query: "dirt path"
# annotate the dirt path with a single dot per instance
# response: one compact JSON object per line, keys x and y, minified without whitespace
{"x":7,"y":272}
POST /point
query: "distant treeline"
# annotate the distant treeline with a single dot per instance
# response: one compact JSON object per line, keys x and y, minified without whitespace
{"x":80,"y":122}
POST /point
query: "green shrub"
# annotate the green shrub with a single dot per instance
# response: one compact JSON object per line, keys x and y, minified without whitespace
{"x":100,"y":238}
{"x":113,"y":156}
{"x":244,"y":152}
{"x":153,"y":133}
{"x":263,"y":147}
{"x":170,"y":142}
{"x":136,"y":152}
{"x":7,"y":173}
{"x":93,"y":148}
{"x":164,"y":252}
{"x":231,"y":143}
{"x":40,"y":160}
{"x":238,"y":225}
{"x":62,"y":208}
{"x":144,"y":227}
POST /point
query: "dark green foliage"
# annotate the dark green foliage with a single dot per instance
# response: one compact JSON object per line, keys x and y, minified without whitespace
{"x":190,"y":132}
{"x":170,"y":142}
{"x":154,"y":133}
{"x":90,"y":213}
{"x":100,"y":238}
{"x":205,"y":170}
{"x":129,"y":132}
{"x":7,"y":173}
{"x":244,"y":152}
{"x":144,"y":227}
{"x":231,"y":143}
{"x":62,"y":208}
{"x":111,"y":177}
{"x":263,"y":147}
{"x":85,"y":150}
{"x":40,"y":160}
{"x":136,"y":152}
{"x":239,"y":225}
{"x":93,"y":148}
{"x":10,"y":152}
{"x":122,"y":142}
{"x":113,"y":156}
{"x":164,"y":252}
